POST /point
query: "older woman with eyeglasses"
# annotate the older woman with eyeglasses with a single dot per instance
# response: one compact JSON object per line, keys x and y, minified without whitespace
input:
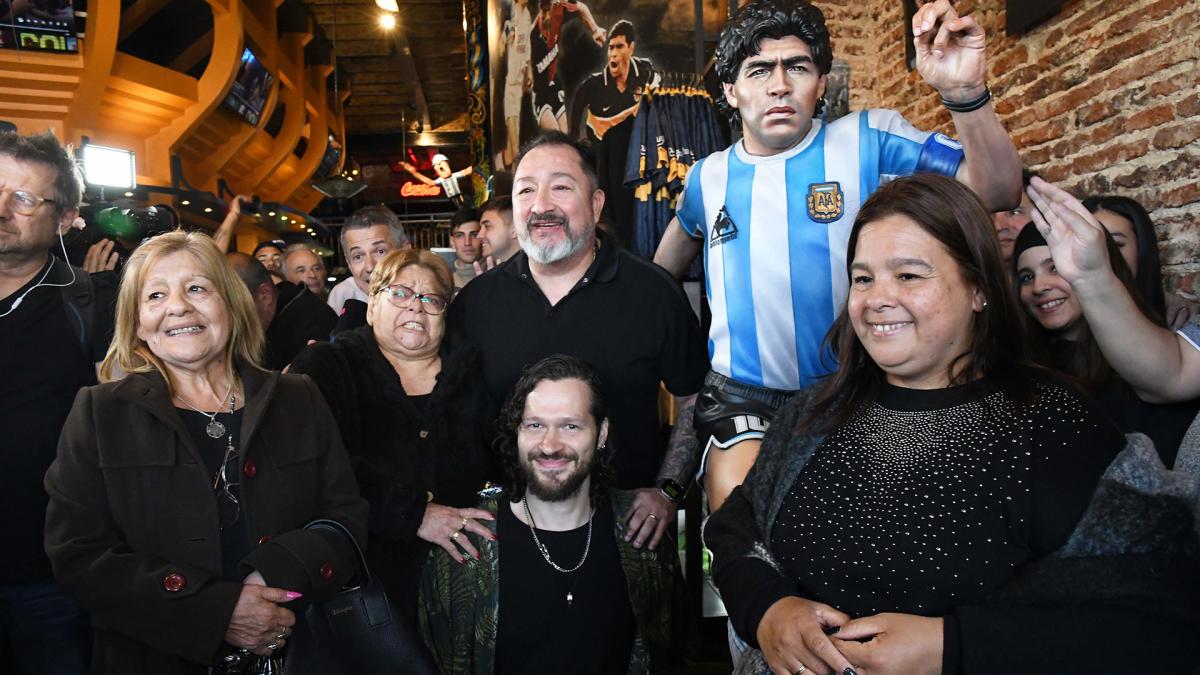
{"x":180,"y":491}
{"x":414,"y":416}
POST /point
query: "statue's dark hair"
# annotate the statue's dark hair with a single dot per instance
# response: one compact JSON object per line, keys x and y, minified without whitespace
{"x":554,"y":369}
{"x":775,"y":19}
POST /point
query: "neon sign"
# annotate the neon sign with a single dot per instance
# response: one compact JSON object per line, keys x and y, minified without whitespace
{"x":411,"y":189}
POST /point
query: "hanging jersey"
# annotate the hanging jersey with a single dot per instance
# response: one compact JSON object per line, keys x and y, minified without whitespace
{"x":776,"y":229}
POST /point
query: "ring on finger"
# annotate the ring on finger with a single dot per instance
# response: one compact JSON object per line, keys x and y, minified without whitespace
{"x":464,"y":524}
{"x":653,"y":516}
{"x":454,"y":537}
{"x":274,"y":645}
{"x":801,"y":670}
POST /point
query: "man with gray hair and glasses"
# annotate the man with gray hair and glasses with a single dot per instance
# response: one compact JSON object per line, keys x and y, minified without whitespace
{"x":53,"y":327}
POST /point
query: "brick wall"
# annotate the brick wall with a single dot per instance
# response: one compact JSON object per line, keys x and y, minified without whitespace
{"x":1102,"y":98}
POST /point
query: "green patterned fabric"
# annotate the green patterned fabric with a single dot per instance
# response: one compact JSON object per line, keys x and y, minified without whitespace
{"x":459,"y":604}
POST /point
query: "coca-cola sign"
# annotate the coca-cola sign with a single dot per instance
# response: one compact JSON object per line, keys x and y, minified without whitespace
{"x":412,"y":190}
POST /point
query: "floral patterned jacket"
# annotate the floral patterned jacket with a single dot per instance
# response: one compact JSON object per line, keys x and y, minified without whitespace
{"x":458,"y":608}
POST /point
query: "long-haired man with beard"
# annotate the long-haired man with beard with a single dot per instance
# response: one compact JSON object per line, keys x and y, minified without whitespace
{"x":569,"y":594}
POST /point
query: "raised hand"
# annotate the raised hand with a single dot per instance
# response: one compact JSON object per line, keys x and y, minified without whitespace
{"x":1075,"y":237}
{"x":951,"y":54}
{"x":100,"y":257}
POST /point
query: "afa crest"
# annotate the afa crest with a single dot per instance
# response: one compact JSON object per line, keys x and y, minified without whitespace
{"x":825,"y":202}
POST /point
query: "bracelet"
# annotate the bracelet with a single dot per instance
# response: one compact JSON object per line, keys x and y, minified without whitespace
{"x":969,"y":106}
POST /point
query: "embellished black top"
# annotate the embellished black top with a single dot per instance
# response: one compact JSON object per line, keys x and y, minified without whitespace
{"x":930,"y":499}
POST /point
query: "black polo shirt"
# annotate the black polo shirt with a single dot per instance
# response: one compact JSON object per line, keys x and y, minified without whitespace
{"x":626,"y":317}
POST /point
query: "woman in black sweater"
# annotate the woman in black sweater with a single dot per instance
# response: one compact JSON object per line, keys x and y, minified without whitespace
{"x":414,"y":417}
{"x":914,"y":513}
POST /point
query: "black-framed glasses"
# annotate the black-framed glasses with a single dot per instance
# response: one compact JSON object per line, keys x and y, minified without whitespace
{"x":228,"y":506}
{"x":402,"y":296}
{"x":24,"y":203}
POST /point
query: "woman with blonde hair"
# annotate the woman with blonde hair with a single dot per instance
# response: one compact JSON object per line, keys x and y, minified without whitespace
{"x":180,"y":492}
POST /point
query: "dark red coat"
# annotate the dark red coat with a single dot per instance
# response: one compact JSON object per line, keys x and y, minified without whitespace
{"x":132,"y":528}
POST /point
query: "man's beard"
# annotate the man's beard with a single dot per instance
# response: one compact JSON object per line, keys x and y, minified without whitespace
{"x":555,"y":491}
{"x":545,"y":253}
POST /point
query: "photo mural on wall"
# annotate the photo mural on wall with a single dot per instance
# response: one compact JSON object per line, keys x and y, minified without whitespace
{"x":580,"y":66}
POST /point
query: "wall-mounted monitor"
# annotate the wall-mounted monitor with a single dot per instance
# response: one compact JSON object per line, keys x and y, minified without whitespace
{"x":248,"y":96}
{"x":45,"y":26}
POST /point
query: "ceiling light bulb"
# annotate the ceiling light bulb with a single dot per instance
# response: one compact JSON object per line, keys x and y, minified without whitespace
{"x":208,"y":209}
{"x":389,"y":5}
{"x":387,"y":21}
{"x":185,"y":202}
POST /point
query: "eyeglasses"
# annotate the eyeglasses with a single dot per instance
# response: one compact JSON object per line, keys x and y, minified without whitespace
{"x":228,"y":507}
{"x":24,"y":203}
{"x":402,"y":296}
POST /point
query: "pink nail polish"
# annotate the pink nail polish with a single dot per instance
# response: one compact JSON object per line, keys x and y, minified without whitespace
{"x":292,"y":595}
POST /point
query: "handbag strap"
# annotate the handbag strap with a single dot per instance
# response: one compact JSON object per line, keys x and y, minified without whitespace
{"x":364,"y":572}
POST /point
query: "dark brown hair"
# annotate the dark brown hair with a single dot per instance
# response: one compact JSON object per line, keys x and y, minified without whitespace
{"x":554,"y":369}
{"x":1081,"y":359}
{"x":953,"y":215}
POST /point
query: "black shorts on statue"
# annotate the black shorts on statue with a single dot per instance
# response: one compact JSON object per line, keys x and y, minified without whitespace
{"x":729,"y":412}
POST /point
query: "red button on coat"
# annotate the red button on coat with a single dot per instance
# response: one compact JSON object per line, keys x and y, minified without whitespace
{"x":327,"y":571}
{"x":174,"y":582}
{"x":250,"y":469}
{"x":264,"y":539}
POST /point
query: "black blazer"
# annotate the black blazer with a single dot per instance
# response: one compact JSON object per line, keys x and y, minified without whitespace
{"x":132,"y":528}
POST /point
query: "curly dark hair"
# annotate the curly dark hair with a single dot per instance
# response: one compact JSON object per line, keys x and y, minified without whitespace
{"x":554,"y":369}
{"x":775,"y":19}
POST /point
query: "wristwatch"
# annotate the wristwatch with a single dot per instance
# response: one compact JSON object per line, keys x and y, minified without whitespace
{"x":672,"y":491}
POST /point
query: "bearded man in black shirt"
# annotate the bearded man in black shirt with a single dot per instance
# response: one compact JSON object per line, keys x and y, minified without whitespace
{"x":54,"y":325}
{"x":578,"y":598}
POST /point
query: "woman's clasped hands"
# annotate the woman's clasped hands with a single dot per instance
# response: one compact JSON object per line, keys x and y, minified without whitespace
{"x":801,"y":636}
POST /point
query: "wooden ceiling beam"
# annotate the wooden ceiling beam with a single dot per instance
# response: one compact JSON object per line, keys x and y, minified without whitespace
{"x":136,"y":16}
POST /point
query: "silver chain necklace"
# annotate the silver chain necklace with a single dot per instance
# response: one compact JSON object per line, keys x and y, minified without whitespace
{"x":214,"y":429}
{"x":546,"y":554}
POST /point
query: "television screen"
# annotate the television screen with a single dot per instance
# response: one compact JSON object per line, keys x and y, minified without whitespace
{"x":38,"y":25}
{"x":248,"y":96}
{"x":333,"y":153}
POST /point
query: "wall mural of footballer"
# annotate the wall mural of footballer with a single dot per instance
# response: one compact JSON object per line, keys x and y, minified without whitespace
{"x":580,"y":66}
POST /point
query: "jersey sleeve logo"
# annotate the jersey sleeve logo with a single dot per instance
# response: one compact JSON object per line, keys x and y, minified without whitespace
{"x":825,"y":202}
{"x":723,"y":229}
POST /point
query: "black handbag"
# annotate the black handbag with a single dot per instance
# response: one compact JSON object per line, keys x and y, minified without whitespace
{"x":357,"y":631}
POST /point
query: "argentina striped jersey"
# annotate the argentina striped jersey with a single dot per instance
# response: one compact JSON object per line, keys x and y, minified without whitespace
{"x":775,"y":232}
